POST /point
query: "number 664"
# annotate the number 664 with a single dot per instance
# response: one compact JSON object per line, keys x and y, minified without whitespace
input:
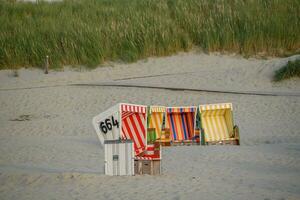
{"x":107,"y":124}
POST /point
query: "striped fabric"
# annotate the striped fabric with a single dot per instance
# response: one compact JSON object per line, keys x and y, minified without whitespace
{"x":134,"y":126}
{"x":217,"y":122}
{"x":157,"y":109}
{"x":145,"y":158}
{"x":181,"y":122}
{"x":156,"y":119}
{"x":150,"y":150}
{"x":181,"y":109}
{"x":133,"y":108}
{"x":215,"y":106}
{"x":151,"y":153}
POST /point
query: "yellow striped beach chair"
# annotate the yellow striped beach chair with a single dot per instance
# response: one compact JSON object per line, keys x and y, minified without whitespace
{"x":156,"y":115}
{"x":216,"y":120}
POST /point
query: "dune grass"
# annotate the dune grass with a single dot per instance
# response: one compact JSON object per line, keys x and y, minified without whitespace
{"x":89,"y":32}
{"x":291,"y":69}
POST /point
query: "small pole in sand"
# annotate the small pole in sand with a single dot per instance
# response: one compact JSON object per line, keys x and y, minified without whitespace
{"x":47,"y":65}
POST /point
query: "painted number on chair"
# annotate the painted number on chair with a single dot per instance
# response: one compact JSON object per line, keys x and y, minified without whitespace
{"x":108,"y":124}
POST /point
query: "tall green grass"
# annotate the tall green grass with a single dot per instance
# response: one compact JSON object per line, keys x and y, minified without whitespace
{"x":89,"y":32}
{"x":291,"y":69}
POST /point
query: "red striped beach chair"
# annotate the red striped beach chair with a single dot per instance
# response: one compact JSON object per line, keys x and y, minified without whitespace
{"x":129,"y":122}
{"x":134,"y":125}
{"x":125,"y":122}
{"x":181,"y":122}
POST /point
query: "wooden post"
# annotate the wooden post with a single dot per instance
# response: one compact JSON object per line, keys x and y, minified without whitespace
{"x":47,"y":65}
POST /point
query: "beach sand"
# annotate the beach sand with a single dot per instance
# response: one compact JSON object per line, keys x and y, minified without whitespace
{"x":49,"y":149}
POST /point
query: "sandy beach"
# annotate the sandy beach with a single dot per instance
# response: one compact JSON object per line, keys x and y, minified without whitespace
{"x":49,"y":149}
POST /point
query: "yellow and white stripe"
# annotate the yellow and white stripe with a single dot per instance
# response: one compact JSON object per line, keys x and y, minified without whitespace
{"x":156,"y":119}
{"x":215,"y":106}
{"x":217,"y":122}
{"x":157,"y":109}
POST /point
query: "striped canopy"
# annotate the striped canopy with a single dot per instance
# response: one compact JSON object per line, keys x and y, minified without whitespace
{"x":215,"y":106}
{"x":134,"y":125}
{"x":181,"y":121}
{"x":133,"y":108}
{"x":181,"y":109}
{"x":217,"y":121}
{"x":157,"y":109}
{"x":156,"y":115}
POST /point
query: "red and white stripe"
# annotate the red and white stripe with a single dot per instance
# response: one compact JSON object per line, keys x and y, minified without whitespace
{"x":150,"y":154}
{"x":133,"y":127}
{"x":146,"y":158}
{"x":142,"y":158}
{"x":133,"y":108}
{"x":150,"y":150}
{"x":126,"y":114}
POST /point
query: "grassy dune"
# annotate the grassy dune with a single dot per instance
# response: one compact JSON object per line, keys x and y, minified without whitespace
{"x":89,"y":32}
{"x":291,"y":69}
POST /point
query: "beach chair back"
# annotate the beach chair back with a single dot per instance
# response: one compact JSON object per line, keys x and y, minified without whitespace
{"x":181,"y":122}
{"x":134,"y":125}
{"x":107,"y":124}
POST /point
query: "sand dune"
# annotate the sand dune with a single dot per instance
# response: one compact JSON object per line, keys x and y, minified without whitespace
{"x":49,"y":149}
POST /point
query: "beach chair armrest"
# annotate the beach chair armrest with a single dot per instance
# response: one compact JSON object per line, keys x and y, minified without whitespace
{"x":235,"y":132}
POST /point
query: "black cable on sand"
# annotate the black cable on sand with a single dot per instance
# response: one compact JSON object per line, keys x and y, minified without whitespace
{"x":112,"y":84}
{"x":192,"y":90}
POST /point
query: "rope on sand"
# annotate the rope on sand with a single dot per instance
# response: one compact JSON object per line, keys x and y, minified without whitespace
{"x":257,"y":93}
{"x":35,"y":87}
{"x":112,"y":84}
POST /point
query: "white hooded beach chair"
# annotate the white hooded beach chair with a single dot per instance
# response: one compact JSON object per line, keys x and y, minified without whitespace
{"x":123,"y":121}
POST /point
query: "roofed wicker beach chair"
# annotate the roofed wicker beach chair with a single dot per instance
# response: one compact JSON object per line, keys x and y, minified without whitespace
{"x":216,"y":121}
{"x":156,"y":123}
{"x":181,"y":122}
{"x":134,"y":125}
